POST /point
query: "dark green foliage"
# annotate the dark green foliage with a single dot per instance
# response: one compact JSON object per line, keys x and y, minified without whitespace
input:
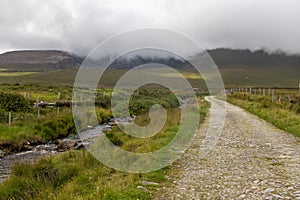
{"x":11,"y":102}
{"x":3,"y":115}
{"x":144,"y":99}
{"x":103,"y":100}
{"x":57,"y":127}
{"x":114,"y":139}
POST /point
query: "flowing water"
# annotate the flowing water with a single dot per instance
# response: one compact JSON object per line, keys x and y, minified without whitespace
{"x":45,"y":150}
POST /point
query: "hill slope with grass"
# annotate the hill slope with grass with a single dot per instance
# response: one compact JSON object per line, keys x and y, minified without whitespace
{"x":37,"y":60}
{"x":238,"y":67}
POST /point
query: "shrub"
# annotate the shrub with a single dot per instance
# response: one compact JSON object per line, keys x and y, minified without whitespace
{"x":14,"y":103}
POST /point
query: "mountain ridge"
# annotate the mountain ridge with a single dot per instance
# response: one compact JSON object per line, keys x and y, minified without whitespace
{"x":38,"y":60}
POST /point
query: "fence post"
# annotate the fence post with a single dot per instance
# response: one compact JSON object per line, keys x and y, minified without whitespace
{"x":9,"y":119}
{"x":272,"y":95}
{"x":37,"y":107}
{"x":264,"y":92}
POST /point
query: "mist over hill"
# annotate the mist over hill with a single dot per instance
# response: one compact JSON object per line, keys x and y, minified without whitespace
{"x":237,"y":67}
{"x":38,"y":60}
{"x":245,"y":57}
{"x":51,"y":59}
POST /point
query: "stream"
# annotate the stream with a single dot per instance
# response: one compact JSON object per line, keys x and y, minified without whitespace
{"x":46,"y":150}
{"x":49,"y":149}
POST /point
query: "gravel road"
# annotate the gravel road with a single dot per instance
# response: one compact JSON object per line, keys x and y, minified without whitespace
{"x":251,"y":160}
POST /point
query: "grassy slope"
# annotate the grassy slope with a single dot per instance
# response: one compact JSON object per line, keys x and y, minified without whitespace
{"x":239,"y":76}
{"x":78,"y":175}
{"x":279,"y":115}
{"x":233,"y":76}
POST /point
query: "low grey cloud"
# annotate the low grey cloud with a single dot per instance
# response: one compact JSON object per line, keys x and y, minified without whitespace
{"x":79,"y":25}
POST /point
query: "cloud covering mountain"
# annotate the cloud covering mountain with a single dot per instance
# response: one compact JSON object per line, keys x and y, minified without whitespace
{"x":79,"y":25}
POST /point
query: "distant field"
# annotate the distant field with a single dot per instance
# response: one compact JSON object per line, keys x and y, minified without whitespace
{"x":233,"y":76}
{"x":239,"y":76}
{"x":13,"y":74}
{"x":8,"y":73}
{"x":66,"y":77}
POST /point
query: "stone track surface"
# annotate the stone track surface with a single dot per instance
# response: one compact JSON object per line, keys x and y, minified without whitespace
{"x":251,"y":160}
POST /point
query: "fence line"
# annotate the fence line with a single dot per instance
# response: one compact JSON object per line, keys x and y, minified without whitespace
{"x":275,"y":94}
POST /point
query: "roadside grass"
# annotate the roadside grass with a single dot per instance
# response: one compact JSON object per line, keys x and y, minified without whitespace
{"x":78,"y":175}
{"x":285,"y":116}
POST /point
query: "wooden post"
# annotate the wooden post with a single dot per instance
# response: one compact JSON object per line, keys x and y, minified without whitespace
{"x":37,"y":107}
{"x":269,"y":91}
{"x":289,"y":97}
{"x":264,"y":92}
{"x":58,"y":96}
{"x":9,"y":119}
{"x":57,"y":111}
{"x":273,"y":96}
{"x":250,"y":91}
{"x":36,"y":102}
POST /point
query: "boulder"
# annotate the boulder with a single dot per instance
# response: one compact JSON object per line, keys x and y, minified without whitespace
{"x":2,"y":154}
{"x":66,"y":144}
{"x":28,"y":147}
{"x":80,"y":146}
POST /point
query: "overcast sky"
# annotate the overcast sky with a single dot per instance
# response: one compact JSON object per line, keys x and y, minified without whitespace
{"x":79,"y":25}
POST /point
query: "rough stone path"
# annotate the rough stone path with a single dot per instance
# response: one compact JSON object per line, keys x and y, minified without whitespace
{"x":252,"y":160}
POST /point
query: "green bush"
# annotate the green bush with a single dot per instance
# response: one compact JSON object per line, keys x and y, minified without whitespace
{"x":10,"y":102}
{"x":142,"y":101}
{"x":3,"y":115}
